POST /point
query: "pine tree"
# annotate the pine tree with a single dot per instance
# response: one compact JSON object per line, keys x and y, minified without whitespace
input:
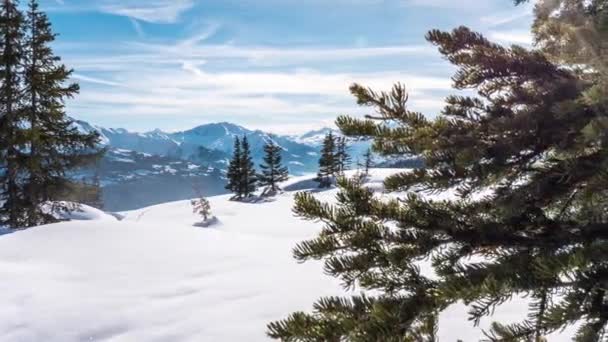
{"x":96,"y":200}
{"x":234,"y":170}
{"x":11,"y":133}
{"x":273,"y":171}
{"x":248,"y":176}
{"x":55,"y":145}
{"x":343,"y":159}
{"x":328,"y":163}
{"x":534,"y":141}
{"x":368,"y":163}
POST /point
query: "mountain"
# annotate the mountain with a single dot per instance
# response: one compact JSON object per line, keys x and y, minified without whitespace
{"x":300,"y":158}
{"x":207,"y":144}
{"x":132,"y":180}
{"x":314,"y":138}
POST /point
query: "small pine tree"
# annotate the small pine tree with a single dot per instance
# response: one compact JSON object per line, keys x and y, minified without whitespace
{"x":368,"y":163}
{"x":234,"y":170}
{"x":328,"y":165}
{"x":343,"y":159}
{"x":248,"y":176}
{"x":273,"y":172}
{"x":202,"y":207}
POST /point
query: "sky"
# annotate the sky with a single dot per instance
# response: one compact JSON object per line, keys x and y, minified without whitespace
{"x":283,"y":66}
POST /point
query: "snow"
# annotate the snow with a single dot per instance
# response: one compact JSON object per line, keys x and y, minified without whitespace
{"x":155,"y":276}
{"x":124,"y":160}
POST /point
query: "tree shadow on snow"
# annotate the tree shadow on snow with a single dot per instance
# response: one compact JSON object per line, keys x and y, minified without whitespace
{"x":213,"y":221}
{"x":255,"y":200}
{"x":309,"y":185}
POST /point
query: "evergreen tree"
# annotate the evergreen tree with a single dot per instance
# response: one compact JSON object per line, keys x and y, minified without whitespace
{"x":11,"y":131}
{"x":273,"y":171}
{"x":248,"y":176}
{"x":368,"y":163}
{"x":534,"y":141}
{"x":96,"y":200}
{"x":343,"y":159}
{"x":55,"y":145}
{"x":234,"y":170}
{"x":328,"y":163}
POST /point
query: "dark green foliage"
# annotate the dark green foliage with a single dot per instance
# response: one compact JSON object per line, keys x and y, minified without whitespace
{"x":273,"y":171}
{"x":85,"y":192}
{"x":11,"y":136}
{"x":343,"y":159}
{"x":527,"y":158}
{"x":368,"y":163}
{"x":55,"y":144}
{"x":249,"y":178}
{"x":242,"y":178}
{"x":234,"y":169}
{"x":41,"y":142}
{"x":328,"y":163}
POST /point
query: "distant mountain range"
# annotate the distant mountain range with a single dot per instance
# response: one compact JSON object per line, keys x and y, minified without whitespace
{"x":209,"y":144}
{"x":142,"y":169}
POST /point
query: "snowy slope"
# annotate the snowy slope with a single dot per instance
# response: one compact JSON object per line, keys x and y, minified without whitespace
{"x":156,"y":277}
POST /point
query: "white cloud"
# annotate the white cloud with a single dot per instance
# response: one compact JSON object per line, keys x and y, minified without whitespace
{"x":94,"y":80}
{"x":153,"y":11}
{"x":512,"y":37}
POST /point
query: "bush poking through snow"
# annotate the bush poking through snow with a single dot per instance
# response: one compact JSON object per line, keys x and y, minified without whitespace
{"x":202,"y":207}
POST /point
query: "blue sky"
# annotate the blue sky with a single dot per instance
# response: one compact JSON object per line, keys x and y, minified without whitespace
{"x":279,"y":65}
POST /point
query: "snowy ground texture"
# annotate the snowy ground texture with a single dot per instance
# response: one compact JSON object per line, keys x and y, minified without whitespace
{"x":155,"y":277}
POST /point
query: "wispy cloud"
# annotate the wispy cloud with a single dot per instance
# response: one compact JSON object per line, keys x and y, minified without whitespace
{"x":94,"y":80}
{"x":257,"y":63}
{"x":153,"y":11}
{"x":176,"y":79}
{"x":508,"y":17}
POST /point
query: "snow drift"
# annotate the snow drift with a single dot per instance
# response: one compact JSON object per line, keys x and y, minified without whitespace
{"x":154,"y":276}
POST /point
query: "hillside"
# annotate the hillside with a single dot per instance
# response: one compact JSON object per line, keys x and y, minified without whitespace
{"x":155,"y":277}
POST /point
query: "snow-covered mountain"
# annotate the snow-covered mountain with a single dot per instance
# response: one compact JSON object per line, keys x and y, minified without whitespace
{"x":154,"y":276}
{"x":314,"y":138}
{"x":216,"y":140}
